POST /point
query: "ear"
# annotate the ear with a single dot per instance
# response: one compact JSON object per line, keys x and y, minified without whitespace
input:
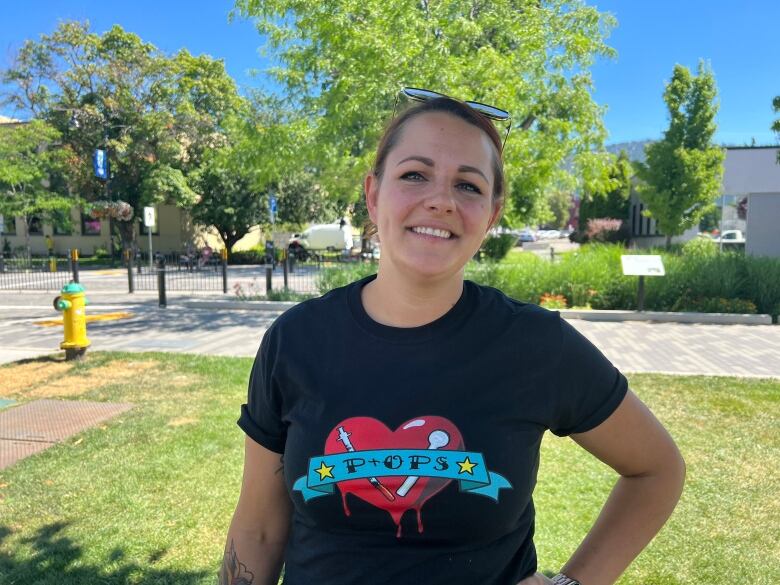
{"x":496,"y":215}
{"x":371,"y":189}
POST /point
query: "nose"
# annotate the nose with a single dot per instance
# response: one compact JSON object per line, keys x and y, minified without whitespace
{"x":441,"y":199}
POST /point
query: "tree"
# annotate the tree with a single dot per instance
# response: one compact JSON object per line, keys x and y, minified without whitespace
{"x":228,"y":200}
{"x":614,"y":202}
{"x":343,"y":62}
{"x":156,"y":115}
{"x":683,"y":172}
{"x":31,"y":166}
{"x":776,"y":123}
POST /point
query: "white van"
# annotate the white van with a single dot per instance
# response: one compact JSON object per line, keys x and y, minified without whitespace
{"x":326,"y":236}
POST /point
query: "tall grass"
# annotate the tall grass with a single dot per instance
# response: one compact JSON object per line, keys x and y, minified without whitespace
{"x":698,"y":277}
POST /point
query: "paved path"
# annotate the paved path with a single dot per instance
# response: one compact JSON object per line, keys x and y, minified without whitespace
{"x":743,"y":350}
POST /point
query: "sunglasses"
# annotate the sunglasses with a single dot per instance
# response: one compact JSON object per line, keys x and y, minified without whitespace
{"x":490,"y":112}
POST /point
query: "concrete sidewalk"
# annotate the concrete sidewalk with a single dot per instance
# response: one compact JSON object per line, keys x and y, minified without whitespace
{"x":677,"y":348}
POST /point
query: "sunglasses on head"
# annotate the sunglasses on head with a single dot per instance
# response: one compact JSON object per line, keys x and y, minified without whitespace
{"x":490,"y":112}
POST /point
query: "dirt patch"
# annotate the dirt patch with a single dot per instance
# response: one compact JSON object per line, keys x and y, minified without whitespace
{"x":59,"y":384}
{"x":20,"y":377}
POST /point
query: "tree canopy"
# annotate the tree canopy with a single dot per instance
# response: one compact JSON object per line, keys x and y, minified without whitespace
{"x":683,"y":172}
{"x":157,"y":115}
{"x":31,"y":168}
{"x":343,"y":62}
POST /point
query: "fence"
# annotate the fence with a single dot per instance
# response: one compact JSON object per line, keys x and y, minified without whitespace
{"x":26,"y":273}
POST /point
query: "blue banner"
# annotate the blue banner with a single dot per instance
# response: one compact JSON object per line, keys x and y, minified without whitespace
{"x":100,"y":164}
{"x":467,"y":467}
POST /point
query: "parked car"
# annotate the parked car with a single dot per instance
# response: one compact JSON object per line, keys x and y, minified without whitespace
{"x":731,"y":237}
{"x":527,"y":235}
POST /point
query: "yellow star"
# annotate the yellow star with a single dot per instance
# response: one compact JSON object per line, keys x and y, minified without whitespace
{"x":466,"y":466}
{"x":325,"y":471}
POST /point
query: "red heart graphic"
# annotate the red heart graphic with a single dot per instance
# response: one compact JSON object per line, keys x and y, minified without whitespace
{"x":395,"y":494}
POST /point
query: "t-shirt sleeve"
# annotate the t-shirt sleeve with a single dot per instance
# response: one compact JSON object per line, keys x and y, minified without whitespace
{"x":261,"y":416}
{"x":589,"y":388}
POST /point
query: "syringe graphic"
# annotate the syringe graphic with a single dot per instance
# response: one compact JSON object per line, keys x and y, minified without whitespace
{"x":344,"y":438}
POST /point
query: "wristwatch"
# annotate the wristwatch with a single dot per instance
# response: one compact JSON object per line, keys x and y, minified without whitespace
{"x":561,"y":579}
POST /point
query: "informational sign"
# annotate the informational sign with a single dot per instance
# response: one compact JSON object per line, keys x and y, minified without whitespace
{"x":150,"y":217}
{"x":100,"y":163}
{"x":281,"y":239}
{"x":272,"y":207}
{"x":642,"y":265}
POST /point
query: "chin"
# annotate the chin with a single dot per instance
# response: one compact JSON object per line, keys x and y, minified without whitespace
{"x":429,"y":268}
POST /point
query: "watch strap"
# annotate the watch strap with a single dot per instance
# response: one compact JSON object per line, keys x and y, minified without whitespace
{"x":561,"y":579}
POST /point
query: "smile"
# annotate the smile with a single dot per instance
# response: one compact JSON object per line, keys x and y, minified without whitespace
{"x":429,"y":231}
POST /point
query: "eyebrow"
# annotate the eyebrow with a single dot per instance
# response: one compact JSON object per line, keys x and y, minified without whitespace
{"x":429,"y":162}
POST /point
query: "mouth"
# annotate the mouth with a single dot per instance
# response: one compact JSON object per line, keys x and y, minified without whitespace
{"x":437,"y":233}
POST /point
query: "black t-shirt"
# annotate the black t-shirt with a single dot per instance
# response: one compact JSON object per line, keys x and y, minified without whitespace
{"x":410,"y":454}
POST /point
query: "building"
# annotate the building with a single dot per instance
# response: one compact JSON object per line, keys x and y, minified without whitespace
{"x":173,"y":233}
{"x":751,"y":174}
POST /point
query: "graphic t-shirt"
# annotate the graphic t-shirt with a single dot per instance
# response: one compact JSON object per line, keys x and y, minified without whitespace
{"x":410,"y":454}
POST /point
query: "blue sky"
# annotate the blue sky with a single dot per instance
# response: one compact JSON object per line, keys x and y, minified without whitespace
{"x":738,"y":39}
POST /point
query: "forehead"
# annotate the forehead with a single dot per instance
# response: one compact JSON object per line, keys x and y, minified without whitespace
{"x":445,"y":137}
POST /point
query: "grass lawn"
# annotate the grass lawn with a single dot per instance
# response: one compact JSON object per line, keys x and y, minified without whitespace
{"x":147,"y":497}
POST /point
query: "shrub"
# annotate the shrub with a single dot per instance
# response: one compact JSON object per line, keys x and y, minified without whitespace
{"x":549,"y":301}
{"x":762,"y":283}
{"x":700,"y":248}
{"x":498,"y":246}
{"x":606,"y":230}
{"x":715,"y":305}
{"x":342,"y":275}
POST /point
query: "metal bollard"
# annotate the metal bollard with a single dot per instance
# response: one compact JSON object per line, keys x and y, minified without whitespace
{"x":552,"y":254}
{"x":224,"y":255}
{"x":130,"y":278}
{"x":286,"y":270}
{"x":163,"y":300}
{"x":74,"y":264}
{"x":269,"y":275}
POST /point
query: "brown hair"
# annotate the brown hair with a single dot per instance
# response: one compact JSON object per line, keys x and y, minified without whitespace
{"x":392,"y":135}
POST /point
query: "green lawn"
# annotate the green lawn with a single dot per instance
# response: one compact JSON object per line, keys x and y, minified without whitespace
{"x":147,"y":497}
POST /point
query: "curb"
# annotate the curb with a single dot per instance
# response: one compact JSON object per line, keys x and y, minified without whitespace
{"x":593,"y":315}
{"x":276,"y":306}
{"x":668,"y":317}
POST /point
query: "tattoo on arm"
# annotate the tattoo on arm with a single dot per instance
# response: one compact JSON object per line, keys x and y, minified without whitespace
{"x":281,"y":466}
{"x":233,"y":571}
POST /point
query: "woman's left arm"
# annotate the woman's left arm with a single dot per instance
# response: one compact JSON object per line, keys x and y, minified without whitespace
{"x":652,"y":474}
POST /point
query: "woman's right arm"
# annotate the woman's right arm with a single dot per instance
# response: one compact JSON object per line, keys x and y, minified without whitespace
{"x":254,"y":552}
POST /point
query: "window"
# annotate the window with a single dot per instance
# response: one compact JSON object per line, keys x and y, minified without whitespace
{"x":61,"y":222}
{"x":89,"y":226}
{"x":10,"y":226}
{"x":35,"y":226}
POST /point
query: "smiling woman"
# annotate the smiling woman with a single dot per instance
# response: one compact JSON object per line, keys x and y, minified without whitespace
{"x":451,"y":402}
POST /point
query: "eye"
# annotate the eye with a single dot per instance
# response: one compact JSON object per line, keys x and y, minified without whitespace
{"x":412,"y":176}
{"x":470,"y":187}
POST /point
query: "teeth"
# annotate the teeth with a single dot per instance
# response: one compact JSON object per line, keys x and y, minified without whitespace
{"x":432,"y":232}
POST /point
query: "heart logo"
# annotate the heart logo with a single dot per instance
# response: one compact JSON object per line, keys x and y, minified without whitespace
{"x":394,"y":493}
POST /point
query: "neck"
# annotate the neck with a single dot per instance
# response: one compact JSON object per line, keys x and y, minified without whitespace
{"x":403,"y":302}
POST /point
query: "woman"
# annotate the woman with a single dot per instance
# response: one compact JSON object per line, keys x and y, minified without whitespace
{"x":405,"y":450}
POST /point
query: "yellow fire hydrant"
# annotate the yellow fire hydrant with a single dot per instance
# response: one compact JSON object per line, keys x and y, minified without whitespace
{"x":72,"y":303}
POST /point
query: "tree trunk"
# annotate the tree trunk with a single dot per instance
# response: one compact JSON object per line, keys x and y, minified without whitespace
{"x":668,"y":242}
{"x":127,"y":232}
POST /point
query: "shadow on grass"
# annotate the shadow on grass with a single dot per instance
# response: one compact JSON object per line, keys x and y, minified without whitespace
{"x":57,"y":559}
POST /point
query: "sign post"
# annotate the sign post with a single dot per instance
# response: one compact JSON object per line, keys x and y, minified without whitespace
{"x":2,"y":231}
{"x":272,"y":208}
{"x":641,"y":266}
{"x":150,"y":219}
